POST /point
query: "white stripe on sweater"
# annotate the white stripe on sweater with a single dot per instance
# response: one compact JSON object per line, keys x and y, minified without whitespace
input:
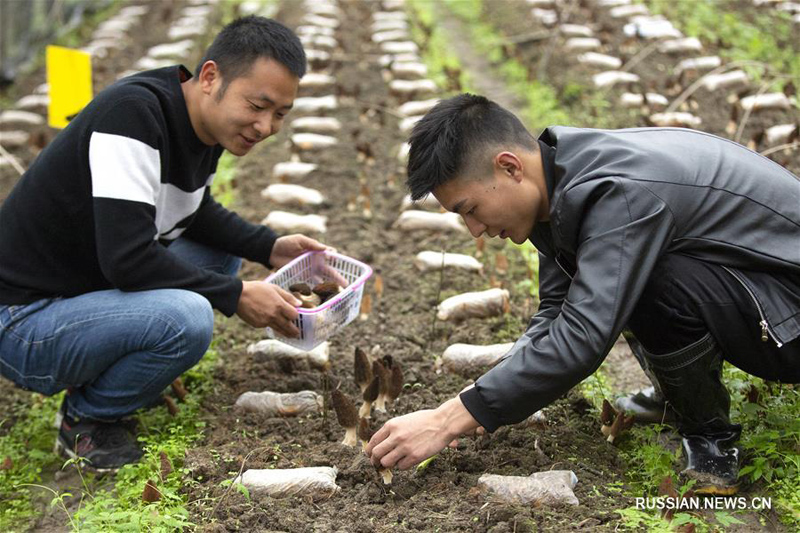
{"x":123,"y":168}
{"x":172,"y":206}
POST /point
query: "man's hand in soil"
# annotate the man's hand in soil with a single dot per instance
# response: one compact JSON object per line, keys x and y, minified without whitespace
{"x":289,"y":247}
{"x":264,"y":304}
{"x":407,"y":440}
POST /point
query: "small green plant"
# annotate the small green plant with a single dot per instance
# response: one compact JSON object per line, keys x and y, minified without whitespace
{"x":770,"y":439}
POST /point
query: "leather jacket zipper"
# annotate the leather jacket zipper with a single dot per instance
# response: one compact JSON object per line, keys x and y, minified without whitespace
{"x":766,"y":331}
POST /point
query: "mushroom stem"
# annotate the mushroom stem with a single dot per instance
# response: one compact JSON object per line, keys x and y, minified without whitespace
{"x":365,"y":411}
{"x":350,"y":438}
{"x":386,"y":475}
{"x":380,"y":403}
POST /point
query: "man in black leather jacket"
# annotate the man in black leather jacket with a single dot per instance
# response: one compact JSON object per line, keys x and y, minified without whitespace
{"x":688,"y":241}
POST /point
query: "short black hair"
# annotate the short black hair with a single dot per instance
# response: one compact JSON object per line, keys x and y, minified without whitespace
{"x":246,"y":39}
{"x":454,"y":135}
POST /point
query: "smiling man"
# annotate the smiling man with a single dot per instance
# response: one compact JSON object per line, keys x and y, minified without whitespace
{"x":688,"y":241}
{"x":113,"y":251}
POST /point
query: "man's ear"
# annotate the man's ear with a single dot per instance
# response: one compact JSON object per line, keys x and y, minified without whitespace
{"x":209,"y":73}
{"x":509,"y":164}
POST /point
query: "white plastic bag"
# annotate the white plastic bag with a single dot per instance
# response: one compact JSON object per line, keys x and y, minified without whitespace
{"x":759,"y":102}
{"x":280,"y":404}
{"x":611,"y":78}
{"x":283,"y":222}
{"x":318,"y":358}
{"x":417,"y":107}
{"x":285,"y":193}
{"x":279,"y":483}
{"x":428,"y":260}
{"x":313,"y":141}
{"x":292,"y":169}
{"x":465,"y":358}
{"x":551,"y":488}
{"x":483,"y":304}
{"x":317,"y":124}
{"x":676,"y":119}
{"x":423,"y":220}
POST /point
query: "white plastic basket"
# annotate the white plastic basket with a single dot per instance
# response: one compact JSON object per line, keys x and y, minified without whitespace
{"x":318,"y":324}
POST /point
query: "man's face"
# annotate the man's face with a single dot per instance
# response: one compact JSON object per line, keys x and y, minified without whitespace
{"x":251,"y":108}
{"x":501,"y":205}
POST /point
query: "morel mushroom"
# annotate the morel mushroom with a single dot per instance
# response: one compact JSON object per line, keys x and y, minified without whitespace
{"x":179,"y":389}
{"x":386,"y":475}
{"x":303,"y":292}
{"x":347,"y":416}
{"x":382,"y":373}
{"x":326,"y":290}
{"x":365,"y":434}
{"x":613,"y":422}
{"x":369,"y":396}
{"x":363,"y":370}
{"x":395,"y":383}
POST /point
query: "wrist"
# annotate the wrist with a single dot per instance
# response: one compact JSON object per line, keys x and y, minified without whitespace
{"x":456,"y":419}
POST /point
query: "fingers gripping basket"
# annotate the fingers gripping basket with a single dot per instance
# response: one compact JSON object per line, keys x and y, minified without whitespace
{"x":318,"y":324}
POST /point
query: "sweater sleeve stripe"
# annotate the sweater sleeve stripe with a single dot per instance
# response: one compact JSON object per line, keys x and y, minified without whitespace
{"x":123,"y":168}
{"x":174,"y":205}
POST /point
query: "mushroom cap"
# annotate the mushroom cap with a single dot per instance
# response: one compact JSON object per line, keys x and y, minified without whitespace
{"x":302,"y":288}
{"x":364,"y":430}
{"x":395,"y":382}
{"x":382,"y":373}
{"x":373,"y":390}
{"x":346,"y":412}
{"x":363,"y":370}
{"x":326,"y":289}
{"x":608,"y":413}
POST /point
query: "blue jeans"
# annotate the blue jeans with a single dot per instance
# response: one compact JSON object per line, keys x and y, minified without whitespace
{"x":116,"y":351}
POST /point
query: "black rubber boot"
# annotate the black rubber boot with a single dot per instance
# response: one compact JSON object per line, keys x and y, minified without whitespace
{"x":648,"y":405}
{"x":690,"y":381}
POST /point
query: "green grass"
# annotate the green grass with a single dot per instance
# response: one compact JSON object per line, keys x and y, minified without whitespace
{"x":770,"y":446}
{"x":120,"y":507}
{"x":770,"y":439}
{"x":29,"y":446}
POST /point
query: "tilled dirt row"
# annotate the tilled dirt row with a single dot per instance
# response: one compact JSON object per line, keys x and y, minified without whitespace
{"x":400,"y":323}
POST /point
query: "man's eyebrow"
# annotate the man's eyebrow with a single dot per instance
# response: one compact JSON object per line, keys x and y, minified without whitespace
{"x":269,"y":100}
{"x":456,"y":208}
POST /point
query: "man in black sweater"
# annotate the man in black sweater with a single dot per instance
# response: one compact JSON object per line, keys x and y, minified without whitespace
{"x":113,"y":251}
{"x":688,"y":240}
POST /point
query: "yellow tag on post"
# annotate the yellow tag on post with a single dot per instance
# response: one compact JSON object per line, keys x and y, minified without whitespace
{"x":69,"y":75}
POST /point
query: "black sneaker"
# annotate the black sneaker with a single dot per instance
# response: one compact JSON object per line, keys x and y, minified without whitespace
{"x":105,"y":446}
